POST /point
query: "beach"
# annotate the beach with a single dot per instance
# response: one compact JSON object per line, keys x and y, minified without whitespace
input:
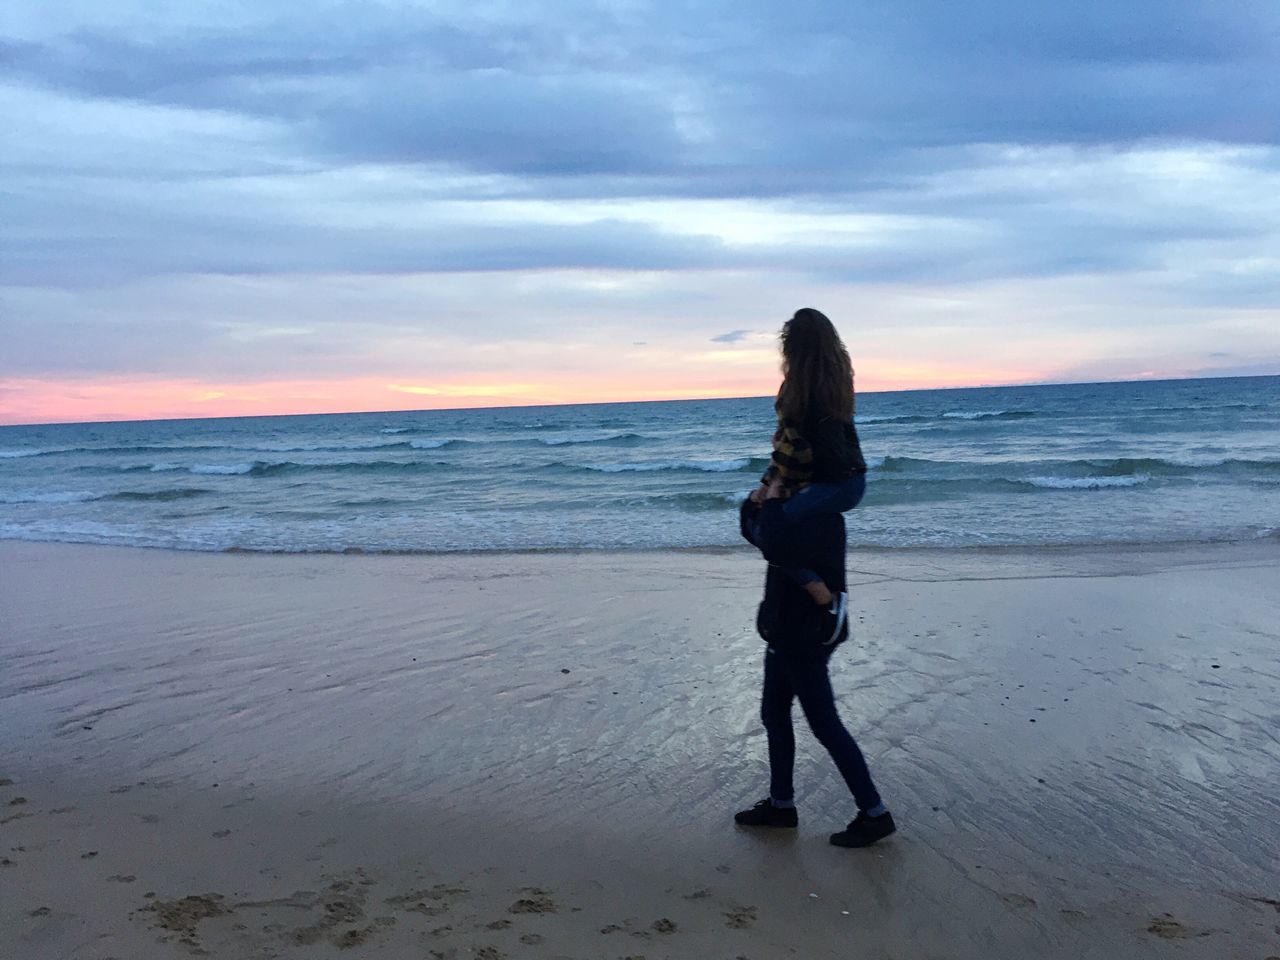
{"x":538,"y":755}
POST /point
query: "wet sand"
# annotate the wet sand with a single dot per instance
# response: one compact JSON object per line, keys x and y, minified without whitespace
{"x":538,"y":756}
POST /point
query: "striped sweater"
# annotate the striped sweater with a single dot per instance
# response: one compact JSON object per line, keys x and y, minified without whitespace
{"x":825,"y":451}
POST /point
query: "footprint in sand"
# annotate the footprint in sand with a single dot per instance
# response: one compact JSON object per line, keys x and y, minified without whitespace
{"x":219,"y":834}
{"x":1167,"y":928}
{"x":537,"y":902}
{"x":184,"y":915}
{"x":1018,"y":900}
{"x":531,"y":939}
{"x":740,"y":918}
{"x":430,"y":901}
{"x":342,"y":905}
{"x":121,"y":878}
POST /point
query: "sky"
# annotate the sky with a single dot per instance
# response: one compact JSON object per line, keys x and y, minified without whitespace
{"x":229,"y":208}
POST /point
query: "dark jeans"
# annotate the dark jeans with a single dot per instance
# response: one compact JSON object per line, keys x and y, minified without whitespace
{"x":802,"y":674}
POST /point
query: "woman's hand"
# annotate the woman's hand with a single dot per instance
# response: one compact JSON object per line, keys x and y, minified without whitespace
{"x":774,"y":490}
{"x":758,"y":494}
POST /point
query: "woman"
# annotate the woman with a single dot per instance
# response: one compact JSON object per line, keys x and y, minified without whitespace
{"x":796,"y":520}
{"x":817,"y":464}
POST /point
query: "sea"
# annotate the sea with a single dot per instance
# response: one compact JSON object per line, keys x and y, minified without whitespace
{"x":1102,"y":463}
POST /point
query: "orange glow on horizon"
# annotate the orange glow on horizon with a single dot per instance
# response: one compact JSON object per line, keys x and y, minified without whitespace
{"x":33,"y":401}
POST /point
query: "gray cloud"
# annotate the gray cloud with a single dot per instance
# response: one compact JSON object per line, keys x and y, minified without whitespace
{"x":733,"y":336}
{"x":930,"y":144}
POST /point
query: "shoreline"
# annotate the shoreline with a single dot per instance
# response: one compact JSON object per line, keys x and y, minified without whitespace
{"x":1268,"y":544}
{"x":490,"y":756}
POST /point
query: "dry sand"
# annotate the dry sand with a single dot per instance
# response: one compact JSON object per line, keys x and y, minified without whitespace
{"x":537,"y":756}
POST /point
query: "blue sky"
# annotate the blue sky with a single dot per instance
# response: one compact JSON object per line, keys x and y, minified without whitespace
{"x":240,"y":207}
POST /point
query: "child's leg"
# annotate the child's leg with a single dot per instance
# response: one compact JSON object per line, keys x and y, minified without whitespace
{"x":825,"y":498}
{"x":810,"y":501}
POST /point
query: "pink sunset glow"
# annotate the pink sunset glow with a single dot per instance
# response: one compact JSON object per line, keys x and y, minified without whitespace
{"x":106,"y":399}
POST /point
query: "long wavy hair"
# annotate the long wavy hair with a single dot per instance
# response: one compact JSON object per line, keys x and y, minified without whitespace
{"x":817,"y":376}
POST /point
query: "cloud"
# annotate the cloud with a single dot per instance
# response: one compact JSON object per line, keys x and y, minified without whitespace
{"x":242,"y":187}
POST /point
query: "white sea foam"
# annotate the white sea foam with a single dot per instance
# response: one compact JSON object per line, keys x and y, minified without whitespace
{"x":1087,"y":483}
{"x":972,"y":414}
{"x":14,"y":454}
{"x":395,"y":429}
{"x":582,"y":436}
{"x":221,"y":469}
{"x":309,"y":447}
{"x":428,"y":444}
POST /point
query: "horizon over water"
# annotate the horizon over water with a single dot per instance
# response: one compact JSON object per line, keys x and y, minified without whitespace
{"x":619,"y":403}
{"x":1111,"y":462}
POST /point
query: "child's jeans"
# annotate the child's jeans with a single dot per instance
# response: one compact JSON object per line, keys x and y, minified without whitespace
{"x":821,"y":498}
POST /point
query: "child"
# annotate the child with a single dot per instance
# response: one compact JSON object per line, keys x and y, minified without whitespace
{"x":817,"y":464}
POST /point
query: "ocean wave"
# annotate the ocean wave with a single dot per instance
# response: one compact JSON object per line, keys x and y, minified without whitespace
{"x":962,"y":415}
{"x":687,"y":501}
{"x":1086,"y":483}
{"x":330,"y":446}
{"x":915,"y":418}
{"x":593,"y":437}
{"x":265,"y":468}
{"x":890,"y":464}
{"x":392,"y":430}
{"x":359,"y":445}
{"x":17,"y":454}
{"x":988,"y":414}
{"x":56,"y":496}
{"x":175,"y":493}
{"x":223,"y":469}
{"x":1093,"y":466}
{"x":86,"y":496}
{"x":1224,"y":466}
{"x":706,"y":466}
{"x":115,"y":450}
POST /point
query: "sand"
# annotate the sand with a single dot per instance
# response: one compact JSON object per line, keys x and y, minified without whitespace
{"x":490,"y":756}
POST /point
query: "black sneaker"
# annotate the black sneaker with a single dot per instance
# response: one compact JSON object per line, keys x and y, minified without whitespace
{"x":863,"y":831}
{"x":765,"y":814}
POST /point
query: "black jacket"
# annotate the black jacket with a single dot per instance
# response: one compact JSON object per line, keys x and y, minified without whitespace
{"x":788,"y":616}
